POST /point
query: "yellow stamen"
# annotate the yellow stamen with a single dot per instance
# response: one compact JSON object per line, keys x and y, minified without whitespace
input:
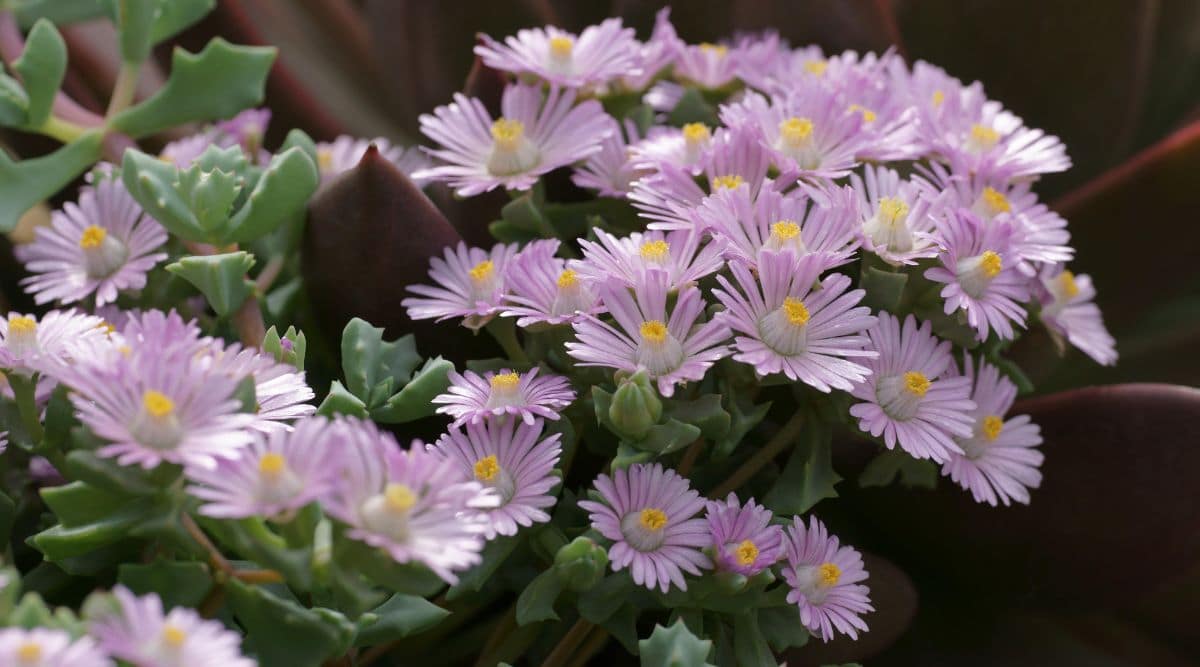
{"x":652,"y":519}
{"x":892,"y":209}
{"x":990,"y":262}
{"x":816,"y":67}
{"x":785,"y":230}
{"x":272,"y":464}
{"x":695,"y":133}
{"x":567,"y":279}
{"x":29,"y":652}
{"x":173,"y":635}
{"x":938,"y":98}
{"x":561,"y":47}
{"x":505,"y":381}
{"x":508,"y":133}
{"x":992,"y":425}
{"x":916,"y":383}
{"x":868,"y":116}
{"x":984,"y":135}
{"x":324,"y":159}
{"x":486,"y":468}
{"x":108,"y":327}
{"x":995,"y":201}
{"x":655,"y":251}
{"x":654,"y":331}
{"x":399,"y":497}
{"x":157,"y":404}
{"x":796,"y":130}
{"x":796,"y":311}
{"x":730,"y":182}
{"x":92,"y":237}
{"x":829,"y":574}
{"x":717,"y":49}
{"x":1066,"y":282}
{"x":746,"y":553}
{"x":21,"y":324}
{"x":482,"y":271}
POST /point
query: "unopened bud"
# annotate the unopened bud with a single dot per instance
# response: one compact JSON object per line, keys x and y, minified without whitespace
{"x":581,"y":564}
{"x":635,"y":407}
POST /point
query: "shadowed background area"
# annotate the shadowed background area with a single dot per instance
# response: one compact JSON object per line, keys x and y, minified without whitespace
{"x":1104,"y":567}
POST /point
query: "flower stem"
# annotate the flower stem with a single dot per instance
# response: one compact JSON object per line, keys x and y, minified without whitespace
{"x":62,"y":130}
{"x":595,"y":641}
{"x":124,"y":89}
{"x":24,"y":391}
{"x":784,"y":437}
{"x":248,"y":321}
{"x":215,"y":557}
{"x":566,"y":646}
{"x":504,"y":331}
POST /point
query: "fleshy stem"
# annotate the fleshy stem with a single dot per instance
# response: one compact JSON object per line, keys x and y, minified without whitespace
{"x":124,"y":89}
{"x":62,"y":130}
{"x":595,"y":641}
{"x":24,"y":391}
{"x":505,"y":333}
{"x":784,"y":437}
{"x":566,"y":646}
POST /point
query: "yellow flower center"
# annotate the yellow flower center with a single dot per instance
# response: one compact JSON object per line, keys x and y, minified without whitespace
{"x":796,"y":130}
{"x":796,"y":311}
{"x":399,"y":497}
{"x":1066,"y":283}
{"x":272,"y":464}
{"x":508,"y":133}
{"x":829,"y":574}
{"x":482,"y":271}
{"x":990,"y":263}
{"x":324,"y":159}
{"x":816,"y":67}
{"x":157,"y":404}
{"x":486,"y":468}
{"x":938,"y":98}
{"x":729,"y":182}
{"x":92,"y":237}
{"x":567,"y":279}
{"x":652,"y":518}
{"x":29,"y":652}
{"x":995,"y":201}
{"x":561,"y":47}
{"x":985,"y":136}
{"x":173,"y":635}
{"x":655,"y":251}
{"x":746,"y":553}
{"x":21,"y":324}
{"x":892,"y":209}
{"x":916,"y":383}
{"x":868,"y":116}
{"x":992,"y":425}
{"x":719,"y":50}
{"x":505,"y":381}
{"x":654,"y":331}
{"x":107,"y":327}
{"x":695,"y":133}
{"x":785,"y":230}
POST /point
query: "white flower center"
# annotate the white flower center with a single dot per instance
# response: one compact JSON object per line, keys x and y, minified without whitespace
{"x":785,"y":329}
{"x":561,"y":50}
{"x":505,"y":391}
{"x":696,"y":139}
{"x":572,"y":296}
{"x":485,"y":280}
{"x":276,"y":481}
{"x":387,"y":513}
{"x":491,"y":474}
{"x":22,"y":340}
{"x":797,"y":140}
{"x":987,"y":429}
{"x":785,"y":235}
{"x":659,"y":352}
{"x":991,"y":203}
{"x":977,"y":272}
{"x":815,"y":581}
{"x":103,"y":253}
{"x":900,"y":395}
{"x":512,"y":151}
{"x":982,"y":139}
{"x":156,"y":424}
{"x":888,"y":228}
{"x":645,"y":530}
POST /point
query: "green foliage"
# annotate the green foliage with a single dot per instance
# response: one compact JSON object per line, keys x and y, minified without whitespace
{"x":675,"y":646}
{"x":293,"y":352}
{"x":282,"y":633}
{"x":41,"y":66}
{"x":399,"y":617}
{"x":25,"y":183}
{"x":281,"y":194}
{"x":178,"y":583}
{"x":221,"y":278}
{"x":536,"y":602}
{"x":808,"y":477}
{"x":914,"y":473}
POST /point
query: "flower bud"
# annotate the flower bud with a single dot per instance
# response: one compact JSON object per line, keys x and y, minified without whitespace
{"x":635,"y":407}
{"x":580,"y":564}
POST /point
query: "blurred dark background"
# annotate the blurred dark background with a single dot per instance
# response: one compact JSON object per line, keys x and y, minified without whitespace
{"x":1104,"y":567}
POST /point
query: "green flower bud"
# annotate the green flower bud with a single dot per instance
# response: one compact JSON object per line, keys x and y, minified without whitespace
{"x":581,"y":564}
{"x":635,"y":407}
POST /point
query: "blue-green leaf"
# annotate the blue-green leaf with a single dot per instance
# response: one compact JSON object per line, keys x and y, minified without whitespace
{"x":280,"y":194}
{"x":221,"y":278}
{"x":399,"y":617}
{"x":536,"y":602}
{"x":808,"y":476}
{"x":25,"y":183}
{"x":42,"y":66}
{"x":175,"y":15}
{"x":675,"y":646}
{"x":59,"y":12}
{"x":368,"y":360}
{"x":178,"y":583}
{"x":339,"y":401}
{"x":415,"y":400}
{"x":283,"y":633}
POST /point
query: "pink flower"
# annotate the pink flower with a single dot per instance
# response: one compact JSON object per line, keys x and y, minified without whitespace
{"x":825,"y":581}
{"x":472,"y":398}
{"x":593,"y":58}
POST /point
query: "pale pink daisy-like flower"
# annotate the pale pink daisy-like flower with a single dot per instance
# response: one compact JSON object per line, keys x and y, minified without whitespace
{"x":514,"y":461}
{"x":590,"y":59}
{"x":980,"y":274}
{"x":790,"y":69}
{"x":470,"y":284}
{"x":1068,"y":310}
{"x":656,"y":53}
{"x":672,"y":348}
{"x":411,"y":503}
{"x":612,"y":171}
{"x":825,"y":580}
{"x":809,"y":133}
{"x":648,"y":512}
{"x":28,"y":345}
{"x":707,"y":65}
{"x":345,"y":152}
{"x":663,"y":96}
{"x":743,"y":539}
{"x":472,"y":398}
{"x":680,"y":146}
{"x":1000,"y":461}
{"x":543,"y":289}
{"x":535,"y":134}
{"x":680,"y":254}
{"x":274,"y":477}
{"x":101,"y":245}
{"x":44,"y":647}
{"x":898,"y":216}
{"x":889,"y":121}
{"x":805,"y":221}
{"x":909,"y":398}
{"x":144,"y":635}
{"x":792,"y":322}
{"x":280,"y":392}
